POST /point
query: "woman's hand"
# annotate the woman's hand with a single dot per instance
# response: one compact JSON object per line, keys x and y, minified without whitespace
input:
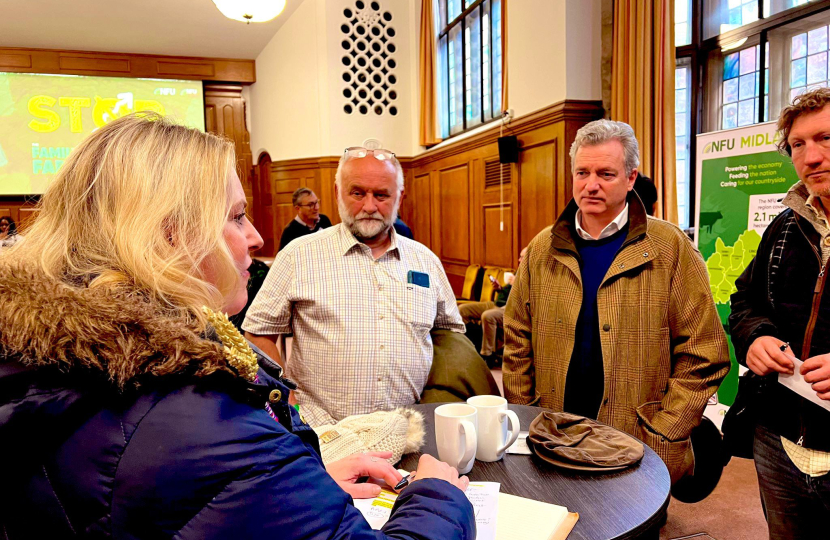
{"x":429,"y":467}
{"x":346,"y":471}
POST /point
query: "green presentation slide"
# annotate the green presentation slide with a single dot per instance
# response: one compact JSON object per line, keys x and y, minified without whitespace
{"x":741,"y":181}
{"x":43,"y":117}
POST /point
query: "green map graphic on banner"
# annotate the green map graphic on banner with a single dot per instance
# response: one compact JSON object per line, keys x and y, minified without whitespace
{"x":741,"y":181}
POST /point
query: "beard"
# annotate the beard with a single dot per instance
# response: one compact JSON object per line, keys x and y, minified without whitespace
{"x":818,"y":189}
{"x":366,"y":226}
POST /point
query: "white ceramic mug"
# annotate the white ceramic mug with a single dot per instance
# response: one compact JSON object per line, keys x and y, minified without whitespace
{"x":493,"y":438}
{"x":455,"y":435}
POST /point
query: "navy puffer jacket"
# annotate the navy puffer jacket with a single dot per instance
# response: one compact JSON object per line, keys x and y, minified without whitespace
{"x":108,"y":429}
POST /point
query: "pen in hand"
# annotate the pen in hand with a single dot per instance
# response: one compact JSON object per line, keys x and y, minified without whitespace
{"x":784,"y":346}
{"x":404,"y":482}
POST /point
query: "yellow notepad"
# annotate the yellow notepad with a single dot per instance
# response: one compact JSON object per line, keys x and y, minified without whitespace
{"x":526,"y":519}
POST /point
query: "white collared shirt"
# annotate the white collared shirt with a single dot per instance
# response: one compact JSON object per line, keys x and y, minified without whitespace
{"x":615,"y":226}
{"x":361,"y":332}
{"x":299,"y":220}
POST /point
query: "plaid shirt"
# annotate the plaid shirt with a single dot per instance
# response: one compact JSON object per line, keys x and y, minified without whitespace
{"x":361,"y":332}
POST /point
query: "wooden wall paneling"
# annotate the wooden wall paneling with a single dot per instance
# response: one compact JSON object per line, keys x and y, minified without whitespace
{"x":435,"y":212}
{"x":498,"y":242}
{"x":514,"y":196}
{"x":288,"y":175}
{"x":26,"y":215}
{"x":406,"y":209}
{"x":450,"y":205}
{"x":476,"y":171}
{"x":20,"y":209}
{"x":455,"y":194}
{"x":537,"y":190}
{"x":263,"y":207}
{"x":420,"y":209}
{"x":21,"y":60}
{"x":283,"y":206}
{"x":325,"y":189}
{"x":225,"y":115}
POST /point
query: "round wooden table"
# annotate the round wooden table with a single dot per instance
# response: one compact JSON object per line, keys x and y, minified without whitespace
{"x":617,"y":505}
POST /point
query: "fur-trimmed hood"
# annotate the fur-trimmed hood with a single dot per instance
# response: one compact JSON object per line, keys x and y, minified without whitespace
{"x":65,"y":351}
{"x":116,"y":331}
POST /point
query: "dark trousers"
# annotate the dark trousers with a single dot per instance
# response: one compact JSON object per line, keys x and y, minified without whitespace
{"x":796,"y":505}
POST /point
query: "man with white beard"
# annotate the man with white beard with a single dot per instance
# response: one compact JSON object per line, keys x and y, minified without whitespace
{"x":359,"y":299}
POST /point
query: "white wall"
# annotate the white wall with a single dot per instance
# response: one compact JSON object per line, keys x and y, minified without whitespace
{"x":536,"y":64}
{"x":583,"y":49}
{"x":553,"y":52}
{"x":285,"y":100}
{"x":395,"y":132}
{"x":297,"y":102}
{"x":553,"y":48}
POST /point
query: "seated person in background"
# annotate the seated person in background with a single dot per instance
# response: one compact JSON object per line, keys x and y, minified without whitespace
{"x":8,"y":233}
{"x":359,"y":299}
{"x":644,"y":188}
{"x":612,"y":316}
{"x":491,"y":315}
{"x":308,"y":219}
{"x":135,"y":410}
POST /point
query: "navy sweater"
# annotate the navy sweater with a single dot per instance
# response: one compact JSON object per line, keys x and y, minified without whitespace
{"x":585,"y":383}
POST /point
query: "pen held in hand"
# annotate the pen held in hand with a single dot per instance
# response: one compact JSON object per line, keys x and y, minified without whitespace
{"x":784,"y":346}
{"x":404,"y":482}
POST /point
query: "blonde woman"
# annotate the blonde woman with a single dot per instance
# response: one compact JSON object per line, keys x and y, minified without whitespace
{"x":129,"y":406}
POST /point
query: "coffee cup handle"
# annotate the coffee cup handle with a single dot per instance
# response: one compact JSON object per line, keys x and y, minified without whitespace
{"x":514,"y":429}
{"x":469,"y":443}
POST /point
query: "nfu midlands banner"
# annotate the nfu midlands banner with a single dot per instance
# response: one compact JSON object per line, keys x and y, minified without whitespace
{"x":741,"y":179}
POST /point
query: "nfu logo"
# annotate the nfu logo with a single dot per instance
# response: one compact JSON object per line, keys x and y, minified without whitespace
{"x":717,"y":146}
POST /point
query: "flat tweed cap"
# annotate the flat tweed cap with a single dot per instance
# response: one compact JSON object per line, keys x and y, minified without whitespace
{"x":575,"y":442}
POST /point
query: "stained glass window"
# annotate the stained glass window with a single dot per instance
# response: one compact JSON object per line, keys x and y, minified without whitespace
{"x":741,"y":88}
{"x":809,"y":56}
{"x":724,"y":15}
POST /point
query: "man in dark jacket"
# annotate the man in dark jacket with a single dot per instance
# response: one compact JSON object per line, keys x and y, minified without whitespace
{"x":308,"y":219}
{"x":780,"y":314}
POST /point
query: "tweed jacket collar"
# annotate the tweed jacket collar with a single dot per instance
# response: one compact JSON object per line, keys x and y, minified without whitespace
{"x":637,"y":249}
{"x":562,"y":230}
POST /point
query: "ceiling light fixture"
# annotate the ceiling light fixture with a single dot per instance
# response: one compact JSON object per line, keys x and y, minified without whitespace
{"x":249,"y":11}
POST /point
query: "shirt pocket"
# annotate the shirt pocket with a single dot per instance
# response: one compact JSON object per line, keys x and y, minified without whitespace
{"x":418,"y":306}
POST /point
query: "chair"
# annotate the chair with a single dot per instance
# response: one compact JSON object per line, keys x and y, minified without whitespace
{"x":487,"y":285}
{"x":472,"y":282}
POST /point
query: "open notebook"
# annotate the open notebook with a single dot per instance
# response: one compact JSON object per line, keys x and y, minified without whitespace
{"x":526,"y":519}
{"x":517,"y":518}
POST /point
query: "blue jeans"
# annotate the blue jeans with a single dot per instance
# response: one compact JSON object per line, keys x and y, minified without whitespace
{"x":796,"y":505}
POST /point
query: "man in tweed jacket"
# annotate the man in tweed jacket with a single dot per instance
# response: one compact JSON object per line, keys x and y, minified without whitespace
{"x":612,"y":316}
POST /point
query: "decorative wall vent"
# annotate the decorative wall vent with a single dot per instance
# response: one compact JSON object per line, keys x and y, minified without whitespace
{"x":491,"y":173}
{"x":368,"y":59}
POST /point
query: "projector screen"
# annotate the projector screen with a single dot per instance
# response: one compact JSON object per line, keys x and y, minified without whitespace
{"x":42,"y":117}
